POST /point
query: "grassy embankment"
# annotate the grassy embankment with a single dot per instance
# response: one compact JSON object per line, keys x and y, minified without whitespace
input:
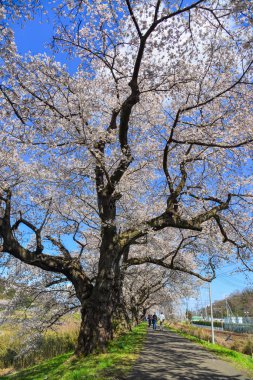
{"x":121,"y":355}
{"x":241,"y":361}
{"x":20,"y":349}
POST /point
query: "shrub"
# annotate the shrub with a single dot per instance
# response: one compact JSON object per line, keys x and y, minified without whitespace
{"x":248,"y":348}
{"x":236,"y":346}
{"x":8,"y":357}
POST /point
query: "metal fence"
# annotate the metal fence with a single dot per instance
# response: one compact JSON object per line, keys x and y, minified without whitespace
{"x":238,"y":327}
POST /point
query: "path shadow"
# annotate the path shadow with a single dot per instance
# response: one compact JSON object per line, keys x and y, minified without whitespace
{"x":169,"y":356}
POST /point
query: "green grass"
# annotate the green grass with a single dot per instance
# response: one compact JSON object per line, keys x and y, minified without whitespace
{"x":121,"y":355}
{"x":241,"y":361}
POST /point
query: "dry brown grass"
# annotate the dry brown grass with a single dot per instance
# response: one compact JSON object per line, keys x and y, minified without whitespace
{"x":52,"y":343}
{"x":238,"y":342}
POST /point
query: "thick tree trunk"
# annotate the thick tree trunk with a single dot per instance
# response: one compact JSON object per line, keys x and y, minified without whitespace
{"x":96,"y":327}
{"x":97,"y":319}
{"x":98,"y":310}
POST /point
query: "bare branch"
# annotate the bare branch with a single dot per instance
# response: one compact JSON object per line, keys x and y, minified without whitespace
{"x":171,"y":219}
{"x":37,"y":231}
{"x":13,"y":106}
{"x":152,"y":260}
{"x":133,"y":18}
{"x":213,"y":145}
{"x":212,"y":212}
{"x":82,"y":245}
{"x":171,"y":15}
{"x":61,"y":247}
{"x":219,"y":94}
{"x":166,"y":151}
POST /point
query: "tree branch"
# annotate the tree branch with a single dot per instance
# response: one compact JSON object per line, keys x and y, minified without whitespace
{"x":12,"y":105}
{"x":201,"y":218}
{"x":171,"y":219}
{"x":66,"y":265}
{"x":218,"y":95}
{"x":166,"y":151}
{"x":213,"y":145}
{"x":152,"y":260}
{"x":61,"y":247}
{"x":133,"y":18}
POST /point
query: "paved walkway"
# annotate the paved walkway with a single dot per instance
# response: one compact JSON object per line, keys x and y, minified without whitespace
{"x":169,"y":356}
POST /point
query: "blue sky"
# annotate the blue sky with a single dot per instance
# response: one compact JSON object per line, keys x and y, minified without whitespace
{"x":34,"y":36}
{"x":227,"y":281}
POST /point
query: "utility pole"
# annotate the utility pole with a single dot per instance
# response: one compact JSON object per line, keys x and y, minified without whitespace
{"x":230,"y":314}
{"x":211,"y":309}
{"x":227,"y":308}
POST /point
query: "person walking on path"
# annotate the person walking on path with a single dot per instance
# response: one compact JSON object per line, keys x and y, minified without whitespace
{"x":149,"y":320}
{"x":162,"y":319}
{"x":154,"y":321}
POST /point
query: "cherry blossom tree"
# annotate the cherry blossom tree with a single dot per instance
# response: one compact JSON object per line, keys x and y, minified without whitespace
{"x":143,"y":156}
{"x":148,"y":288}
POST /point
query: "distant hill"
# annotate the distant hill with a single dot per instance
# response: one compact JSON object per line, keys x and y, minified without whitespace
{"x":240,"y":303}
